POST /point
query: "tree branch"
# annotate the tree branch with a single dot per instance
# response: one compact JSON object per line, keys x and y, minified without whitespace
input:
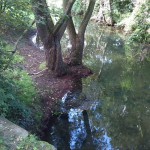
{"x":87,"y":17}
{"x":61,"y":25}
{"x":16,"y":45}
{"x":70,"y":27}
{"x":43,"y":19}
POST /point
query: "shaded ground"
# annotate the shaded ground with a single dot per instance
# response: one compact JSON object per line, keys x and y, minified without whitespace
{"x":51,"y":89}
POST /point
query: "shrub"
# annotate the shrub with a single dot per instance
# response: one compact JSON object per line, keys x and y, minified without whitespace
{"x":140,"y":29}
{"x":14,"y":14}
{"x":17,"y":91}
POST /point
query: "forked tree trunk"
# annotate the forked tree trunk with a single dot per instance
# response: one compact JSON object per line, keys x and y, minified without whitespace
{"x":51,"y":34}
{"x":77,"y":39}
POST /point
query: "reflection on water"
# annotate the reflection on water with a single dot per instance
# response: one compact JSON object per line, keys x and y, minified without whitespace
{"x":109,"y":110}
{"x":78,"y":132}
{"x":36,"y":42}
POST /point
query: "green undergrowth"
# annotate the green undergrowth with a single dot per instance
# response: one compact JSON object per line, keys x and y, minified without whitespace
{"x":28,"y":143}
{"x":140,"y":29}
{"x":2,"y":144}
{"x":19,"y":100}
{"x":33,"y":143}
{"x":42,"y":66}
{"x":14,"y":15}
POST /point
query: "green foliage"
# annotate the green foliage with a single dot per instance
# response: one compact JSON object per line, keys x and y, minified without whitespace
{"x":28,"y":143}
{"x":123,"y":6}
{"x":120,"y":8}
{"x":26,"y":91}
{"x":79,"y":7}
{"x":32,"y":143}
{"x":14,"y":14}
{"x":17,"y":92}
{"x":56,"y":13}
{"x":4,"y":55}
{"x":10,"y":105}
{"x":140,"y":29}
{"x":42,"y":66}
{"x":2,"y":144}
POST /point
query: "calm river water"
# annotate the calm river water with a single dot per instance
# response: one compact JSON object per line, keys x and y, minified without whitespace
{"x":111,"y":109}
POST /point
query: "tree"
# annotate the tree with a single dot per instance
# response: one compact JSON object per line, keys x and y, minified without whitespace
{"x":105,"y":13}
{"x":14,"y":15}
{"x":51,"y":34}
{"x":77,"y":39}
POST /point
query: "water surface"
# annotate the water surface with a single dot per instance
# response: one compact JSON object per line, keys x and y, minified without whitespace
{"x":111,"y":109}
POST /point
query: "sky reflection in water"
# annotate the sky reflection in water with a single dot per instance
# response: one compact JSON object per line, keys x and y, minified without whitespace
{"x":117,"y":99}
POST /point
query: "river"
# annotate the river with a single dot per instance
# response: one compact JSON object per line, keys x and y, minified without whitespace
{"x":110,"y":110}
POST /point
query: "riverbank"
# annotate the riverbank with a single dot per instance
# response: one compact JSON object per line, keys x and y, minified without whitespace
{"x":13,"y":137}
{"x":50,"y":88}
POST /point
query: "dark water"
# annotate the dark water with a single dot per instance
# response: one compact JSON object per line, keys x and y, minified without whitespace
{"x":111,"y":109}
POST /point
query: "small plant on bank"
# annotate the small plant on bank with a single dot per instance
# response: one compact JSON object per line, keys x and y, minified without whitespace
{"x":29,"y":143}
{"x":32,"y":143}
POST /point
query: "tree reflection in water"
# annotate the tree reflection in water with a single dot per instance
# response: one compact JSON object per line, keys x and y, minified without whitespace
{"x":72,"y":130}
{"x":113,"y":112}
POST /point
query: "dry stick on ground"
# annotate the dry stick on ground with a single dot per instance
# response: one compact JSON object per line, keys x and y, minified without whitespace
{"x":16,"y":45}
{"x":36,"y":73}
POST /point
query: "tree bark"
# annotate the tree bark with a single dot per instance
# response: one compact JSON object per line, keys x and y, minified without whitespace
{"x":111,"y":20}
{"x":77,"y":39}
{"x":51,"y":34}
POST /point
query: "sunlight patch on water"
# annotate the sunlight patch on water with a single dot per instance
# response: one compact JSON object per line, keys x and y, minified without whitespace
{"x":104,"y":59}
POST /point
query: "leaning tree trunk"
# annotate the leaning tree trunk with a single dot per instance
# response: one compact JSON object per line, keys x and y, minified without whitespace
{"x":77,"y":39}
{"x":51,"y":34}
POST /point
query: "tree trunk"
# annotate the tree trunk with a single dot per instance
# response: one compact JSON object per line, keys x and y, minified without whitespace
{"x":105,"y":14}
{"x":111,"y":20}
{"x":77,"y":40}
{"x":77,"y":50}
{"x":51,"y":34}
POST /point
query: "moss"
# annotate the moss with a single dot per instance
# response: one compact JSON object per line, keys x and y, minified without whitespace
{"x":42,"y":66}
{"x":2,"y":144}
{"x":32,"y":143}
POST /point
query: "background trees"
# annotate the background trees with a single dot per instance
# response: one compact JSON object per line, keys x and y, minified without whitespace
{"x":14,"y":15}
